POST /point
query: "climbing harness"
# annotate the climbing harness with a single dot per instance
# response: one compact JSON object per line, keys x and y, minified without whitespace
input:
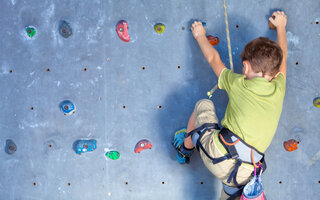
{"x":235,"y":147}
{"x":210,"y":93}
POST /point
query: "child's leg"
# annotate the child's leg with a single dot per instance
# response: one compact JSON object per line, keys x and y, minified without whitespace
{"x":188,"y":141}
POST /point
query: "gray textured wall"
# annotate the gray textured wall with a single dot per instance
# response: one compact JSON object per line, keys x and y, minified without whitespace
{"x":114,"y":78}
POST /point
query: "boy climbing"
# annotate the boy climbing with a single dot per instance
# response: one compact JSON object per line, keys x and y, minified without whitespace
{"x":252,"y":115}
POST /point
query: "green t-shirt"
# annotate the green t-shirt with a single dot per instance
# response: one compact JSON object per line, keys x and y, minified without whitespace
{"x":254,"y":107}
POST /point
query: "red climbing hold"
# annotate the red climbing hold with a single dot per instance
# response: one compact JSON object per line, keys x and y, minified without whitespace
{"x":142,"y":145}
{"x":291,"y":145}
{"x":213,"y":40}
{"x":122,"y":30}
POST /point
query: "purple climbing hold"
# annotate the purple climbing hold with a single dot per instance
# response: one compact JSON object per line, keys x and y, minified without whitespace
{"x":10,"y":147}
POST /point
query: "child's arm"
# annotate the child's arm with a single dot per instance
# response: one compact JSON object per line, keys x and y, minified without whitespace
{"x":279,"y":20}
{"x":212,"y":55}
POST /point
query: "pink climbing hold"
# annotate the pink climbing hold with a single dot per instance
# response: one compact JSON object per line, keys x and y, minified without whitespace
{"x":142,"y":145}
{"x":122,"y":30}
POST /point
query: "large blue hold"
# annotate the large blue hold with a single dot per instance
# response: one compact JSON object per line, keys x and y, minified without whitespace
{"x":83,"y":146}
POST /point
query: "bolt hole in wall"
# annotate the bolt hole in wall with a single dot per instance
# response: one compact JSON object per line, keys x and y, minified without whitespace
{"x":317,"y":22}
{"x":280,"y":182}
{"x":49,"y":145}
{"x":201,"y":183}
{"x":34,"y":183}
{"x":143,"y":67}
{"x":10,"y":71}
{"x":179,"y":66}
{"x":297,"y":63}
{"x":127,"y":183}
{"x":237,"y":26}
{"x":48,"y":70}
{"x":85,"y":69}
{"x":31,"y":108}
{"x":123,"y":107}
{"x":159,"y":107}
{"x":68,"y":184}
{"x":162,"y":182}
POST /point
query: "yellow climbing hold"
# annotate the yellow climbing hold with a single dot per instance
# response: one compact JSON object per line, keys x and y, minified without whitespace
{"x":159,"y":28}
{"x":316,"y":102}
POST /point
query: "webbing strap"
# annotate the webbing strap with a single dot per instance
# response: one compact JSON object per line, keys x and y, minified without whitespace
{"x":230,"y":148}
{"x":234,"y":173}
{"x":237,"y":194}
{"x":202,"y":129}
{"x":214,"y":160}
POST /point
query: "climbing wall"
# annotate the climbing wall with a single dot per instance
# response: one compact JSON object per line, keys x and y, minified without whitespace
{"x":146,"y":88}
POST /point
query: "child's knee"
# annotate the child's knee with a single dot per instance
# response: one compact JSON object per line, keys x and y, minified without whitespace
{"x":203,"y":105}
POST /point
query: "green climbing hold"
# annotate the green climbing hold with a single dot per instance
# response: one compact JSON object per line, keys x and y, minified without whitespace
{"x":114,"y":155}
{"x":316,"y":102}
{"x":159,"y":28}
{"x":31,"y":31}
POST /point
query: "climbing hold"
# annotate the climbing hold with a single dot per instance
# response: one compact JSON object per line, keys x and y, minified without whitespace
{"x":290,"y":145}
{"x":213,"y":40}
{"x":193,"y":20}
{"x":316,"y":102}
{"x":10,"y":147}
{"x":271,"y":26}
{"x":67,"y":107}
{"x":65,"y":29}
{"x":142,"y":145}
{"x":31,"y":31}
{"x":114,"y":155}
{"x":159,"y":28}
{"x":82,"y":146}
{"x":122,"y":30}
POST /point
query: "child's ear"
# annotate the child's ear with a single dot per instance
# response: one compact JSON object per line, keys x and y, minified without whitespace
{"x":246,"y":67}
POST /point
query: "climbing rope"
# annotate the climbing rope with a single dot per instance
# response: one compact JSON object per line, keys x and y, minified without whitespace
{"x":229,"y":47}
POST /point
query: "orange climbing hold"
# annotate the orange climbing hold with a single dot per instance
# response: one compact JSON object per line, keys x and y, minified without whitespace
{"x":213,"y":40}
{"x":291,"y":145}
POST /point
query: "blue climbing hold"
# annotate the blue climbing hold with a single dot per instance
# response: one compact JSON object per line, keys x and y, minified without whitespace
{"x":67,"y":107}
{"x":10,"y":147}
{"x":83,"y":146}
{"x":193,"y":20}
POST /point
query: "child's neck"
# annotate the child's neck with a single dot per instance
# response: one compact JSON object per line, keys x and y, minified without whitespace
{"x":252,"y":75}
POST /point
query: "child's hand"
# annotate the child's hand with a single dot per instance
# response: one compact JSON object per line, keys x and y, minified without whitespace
{"x":198,"y":29}
{"x":278,"y":19}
